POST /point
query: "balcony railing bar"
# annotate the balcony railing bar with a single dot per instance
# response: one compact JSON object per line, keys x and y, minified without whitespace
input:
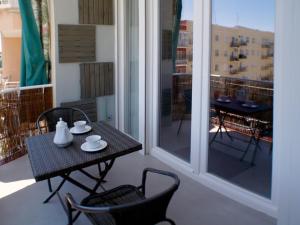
{"x":8,"y":90}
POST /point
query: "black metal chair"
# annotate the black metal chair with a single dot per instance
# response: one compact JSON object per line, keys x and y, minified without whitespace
{"x":126,"y":204}
{"x":46,"y":122}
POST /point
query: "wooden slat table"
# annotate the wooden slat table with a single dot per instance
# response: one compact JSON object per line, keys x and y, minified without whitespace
{"x":48,"y":161}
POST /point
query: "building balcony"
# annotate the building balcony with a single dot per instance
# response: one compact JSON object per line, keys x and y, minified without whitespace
{"x":233,"y":71}
{"x":18,"y":185}
{"x":267,"y":45}
{"x":9,"y":4}
{"x":235,"y":44}
{"x":181,"y":61}
{"x":242,"y":56}
{"x":243,"y":43}
{"x":234,"y":58}
{"x":268,"y":55}
{"x":242,"y":68}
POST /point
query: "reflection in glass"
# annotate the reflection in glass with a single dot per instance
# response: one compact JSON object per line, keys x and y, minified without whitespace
{"x":241,"y":93}
{"x":176,"y":77}
{"x":132,"y":69}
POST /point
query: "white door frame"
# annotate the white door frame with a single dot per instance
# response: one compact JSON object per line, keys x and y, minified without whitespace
{"x":197,"y":168}
{"x":121,"y":59}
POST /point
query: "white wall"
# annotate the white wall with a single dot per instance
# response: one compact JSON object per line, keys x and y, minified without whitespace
{"x":287,"y":111}
{"x":66,"y":76}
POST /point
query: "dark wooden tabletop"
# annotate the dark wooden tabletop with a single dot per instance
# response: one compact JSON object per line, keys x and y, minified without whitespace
{"x":47,"y":160}
{"x":238,"y":108}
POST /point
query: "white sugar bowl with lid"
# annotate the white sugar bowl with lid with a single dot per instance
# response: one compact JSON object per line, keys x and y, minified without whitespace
{"x":63,"y":136}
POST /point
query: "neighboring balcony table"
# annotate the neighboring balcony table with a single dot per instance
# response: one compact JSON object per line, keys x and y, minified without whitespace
{"x":48,"y":161}
{"x":248,"y":114}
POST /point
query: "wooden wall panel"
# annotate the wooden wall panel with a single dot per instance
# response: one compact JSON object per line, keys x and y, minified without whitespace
{"x":96,"y":12}
{"x":77,"y":43}
{"x":96,"y":79}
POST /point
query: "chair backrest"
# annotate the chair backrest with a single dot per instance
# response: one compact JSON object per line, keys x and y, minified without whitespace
{"x":148,"y":211}
{"x":88,"y":106}
{"x":46,"y":122}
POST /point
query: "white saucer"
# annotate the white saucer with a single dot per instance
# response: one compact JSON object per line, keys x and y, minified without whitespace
{"x":103,"y":145}
{"x":86,"y":129}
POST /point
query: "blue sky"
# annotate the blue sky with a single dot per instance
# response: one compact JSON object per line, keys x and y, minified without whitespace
{"x":257,"y":14}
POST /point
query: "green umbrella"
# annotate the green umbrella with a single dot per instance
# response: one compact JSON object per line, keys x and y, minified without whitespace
{"x":33,"y":71}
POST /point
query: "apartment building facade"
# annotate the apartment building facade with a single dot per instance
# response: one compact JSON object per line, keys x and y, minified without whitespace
{"x":184,"y":62}
{"x":241,"y":52}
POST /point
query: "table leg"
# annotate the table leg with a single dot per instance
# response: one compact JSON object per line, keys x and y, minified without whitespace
{"x":56,"y":190}
{"x":221,"y":118}
{"x":108,"y":166}
{"x":256,"y":139}
{"x":103,"y":174}
{"x":66,"y":177}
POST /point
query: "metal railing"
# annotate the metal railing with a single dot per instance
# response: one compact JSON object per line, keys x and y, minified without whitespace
{"x":255,"y":90}
{"x":9,"y":3}
{"x":19,"y":109}
{"x":241,"y":90}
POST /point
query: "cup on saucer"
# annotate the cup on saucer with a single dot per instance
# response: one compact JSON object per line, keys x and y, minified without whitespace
{"x":80,"y":126}
{"x":93,"y":141}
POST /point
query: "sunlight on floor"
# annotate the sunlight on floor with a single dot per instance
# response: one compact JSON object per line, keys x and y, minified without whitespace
{"x":12,"y":187}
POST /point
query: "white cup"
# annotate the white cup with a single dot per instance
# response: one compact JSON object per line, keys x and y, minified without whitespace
{"x":93,"y":141}
{"x":80,"y":125}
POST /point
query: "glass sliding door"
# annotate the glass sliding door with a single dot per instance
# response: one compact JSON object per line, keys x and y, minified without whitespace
{"x":241,"y":93}
{"x":175,"y":88}
{"x":131,"y":100}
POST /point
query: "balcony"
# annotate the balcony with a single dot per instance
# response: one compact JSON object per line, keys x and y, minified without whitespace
{"x":181,"y":61}
{"x":18,"y":186}
{"x":267,"y":45}
{"x":242,"y":56}
{"x":235,"y":44}
{"x":9,"y":4}
{"x":233,"y":71}
{"x":267,"y":56}
{"x":243,"y":43}
{"x":242,"y":68}
{"x":234,"y":58}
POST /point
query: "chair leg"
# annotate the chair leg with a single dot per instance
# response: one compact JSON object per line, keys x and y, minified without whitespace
{"x":271,"y":148}
{"x":170,"y":221}
{"x":180,"y":124}
{"x":70,"y":213}
{"x":49,"y":185}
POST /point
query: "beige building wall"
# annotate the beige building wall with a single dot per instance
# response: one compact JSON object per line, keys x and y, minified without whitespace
{"x":11,"y":58}
{"x":10,"y":28}
{"x":255,"y":47}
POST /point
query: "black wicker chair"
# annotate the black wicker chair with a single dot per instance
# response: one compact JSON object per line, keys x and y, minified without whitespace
{"x":46,"y":122}
{"x":126,"y":204}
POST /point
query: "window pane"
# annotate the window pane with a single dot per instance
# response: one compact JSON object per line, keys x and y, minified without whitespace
{"x":132,"y":69}
{"x":176,"y":77}
{"x":241,"y":93}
